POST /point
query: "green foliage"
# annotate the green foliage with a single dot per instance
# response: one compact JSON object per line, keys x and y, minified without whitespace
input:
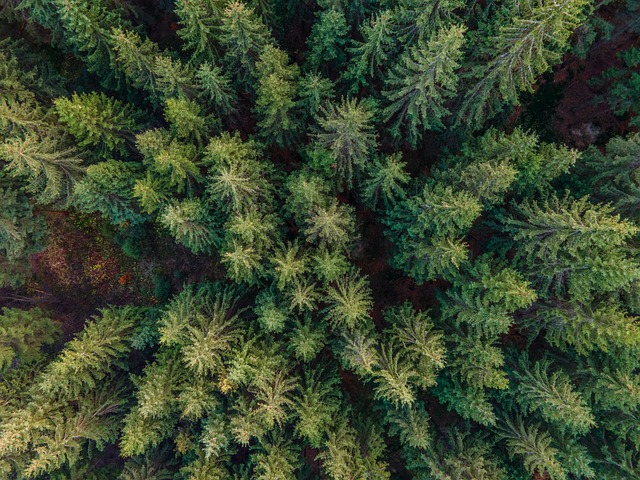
{"x":425,"y":227}
{"x":313,"y":91}
{"x":385,"y":181}
{"x":464,"y":456}
{"x":237,"y":179}
{"x":349,"y":301}
{"x":243,"y":35}
{"x":266,"y":164}
{"x":422,"y":81}
{"x":87,"y":359}
{"x":424,"y":347}
{"x":216,"y":88}
{"x":23,"y":333}
{"x":171,"y":158}
{"x":553,"y":396}
{"x":533,"y":445}
{"x":370,"y":55}
{"x":186,"y":120}
{"x":271,"y":313}
{"x":107,"y":189}
{"x":190,"y":224}
{"x":307,"y":339}
{"x":327,"y":42}
{"x":49,"y":168}
{"x":615,"y":177}
{"x":531,"y":41}
{"x":586,"y":327}
{"x":571,"y":226}
{"x":146,"y":68}
{"x":21,"y":233}
{"x":346,"y":131}
{"x":198,"y":22}
{"x":289,"y":267}
{"x":275,"y":93}
{"x":98,"y":121}
{"x":330,"y":226}
{"x":623,"y":94}
{"x":316,"y":406}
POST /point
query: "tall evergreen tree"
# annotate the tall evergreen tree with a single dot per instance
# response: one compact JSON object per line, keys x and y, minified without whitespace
{"x":98,"y":121}
{"x":49,"y":167}
{"x":346,"y":131}
{"x":522,"y":49}
{"x":422,"y":81}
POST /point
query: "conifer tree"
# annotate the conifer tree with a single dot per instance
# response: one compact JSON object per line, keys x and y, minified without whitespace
{"x":175,"y":160}
{"x":328,"y":265}
{"x":243,"y":36}
{"x":313,"y":90}
{"x":255,"y":228}
{"x":151,"y":192}
{"x":346,"y":131}
{"x":571,"y":226}
{"x":425,"y":349}
{"x":370,"y":55}
{"x":418,"y":19}
{"x":107,"y":189}
{"x":84,"y":28}
{"x":274,"y":459}
{"x":271,"y":312}
{"x":553,"y":396}
{"x":98,"y":121}
{"x":198,"y":19}
{"x":411,"y":424}
{"x":289,"y":265}
{"x":21,"y":235}
{"x":87,"y":360}
{"x":307,"y":339}
{"x":616,"y":175}
{"x":189,"y":223}
{"x":305,"y":191}
{"x":330,"y":227}
{"x":349,"y":301}
{"x":423,"y":80}
{"x":534,"y":40}
{"x":585,"y":327}
{"x":147,"y":68}
{"x":216,"y":88}
{"x":276,"y":91}
{"x":23,"y":333}
{"x":186,"y":120}
{"x":424,"y":228}
{"x":316,"y":404}
{"x":463,"y":455}
{"x":533,"y":446}
{"x":327,"y":42}
{"x":244,"y":263}
{"x":50,"y":167}
{"x":237,"y":179}
{"x":385,"y":181}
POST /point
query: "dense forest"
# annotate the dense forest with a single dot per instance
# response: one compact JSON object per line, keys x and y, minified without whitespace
{"x":320,"y":239}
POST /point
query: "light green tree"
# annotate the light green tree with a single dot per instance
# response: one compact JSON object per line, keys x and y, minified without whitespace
{"x":99,"y":121}
{"x":189,"y":223}
{"x":346,"y":131}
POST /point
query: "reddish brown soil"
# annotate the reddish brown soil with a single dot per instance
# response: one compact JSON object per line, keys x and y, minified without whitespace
{"x":83,"y":269}
{"x":390,"y":286}
{"x":580,"y":118}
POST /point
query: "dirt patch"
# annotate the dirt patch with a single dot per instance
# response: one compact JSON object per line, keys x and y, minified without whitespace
{"x":581,"y":118}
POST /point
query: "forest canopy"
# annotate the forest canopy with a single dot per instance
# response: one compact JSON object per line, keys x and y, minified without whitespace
{"x":319,"y":239}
